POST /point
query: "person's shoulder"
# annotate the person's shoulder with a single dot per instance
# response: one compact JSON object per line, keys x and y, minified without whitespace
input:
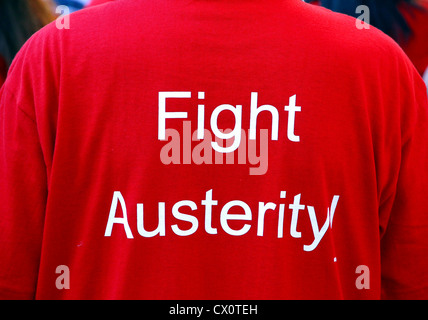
{"x":347,"y":29}
{"x":77,"y":30}
{"x":98,"y":2}
{"x":352,"y":40}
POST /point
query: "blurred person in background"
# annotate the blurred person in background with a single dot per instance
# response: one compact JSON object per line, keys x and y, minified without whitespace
{"x":19,"y":19}
{"x":73,"y":5}
{"x":406,"y":21}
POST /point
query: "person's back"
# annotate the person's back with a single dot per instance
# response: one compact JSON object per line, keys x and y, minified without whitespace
{"x":107,"y":174}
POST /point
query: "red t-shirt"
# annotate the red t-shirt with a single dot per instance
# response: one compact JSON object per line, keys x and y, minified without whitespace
{"x":98,"y":2}
{"x":115,"y":181}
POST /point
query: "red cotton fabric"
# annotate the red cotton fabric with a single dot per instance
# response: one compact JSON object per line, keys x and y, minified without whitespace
{"x":106,"y":177}
{"x":98,"y":2}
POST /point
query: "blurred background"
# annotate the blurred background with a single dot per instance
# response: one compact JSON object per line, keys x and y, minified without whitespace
{"x":406,"y":21}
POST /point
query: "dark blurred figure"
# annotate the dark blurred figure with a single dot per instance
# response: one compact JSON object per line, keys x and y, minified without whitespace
{"x":19,"y":19}
{"x":406,"y":21}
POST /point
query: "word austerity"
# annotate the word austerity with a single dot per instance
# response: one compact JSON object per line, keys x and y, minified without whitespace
{"x":245,"y":215}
